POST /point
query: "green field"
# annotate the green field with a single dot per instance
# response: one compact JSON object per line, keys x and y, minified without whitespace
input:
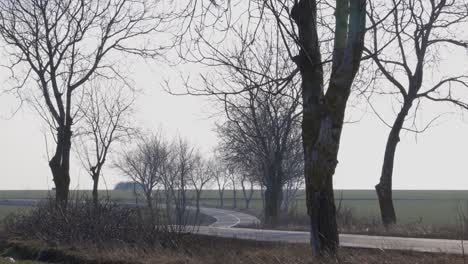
{"x":2,"y":261}
{"x":5,"y":210}
{"x":426,"y":206}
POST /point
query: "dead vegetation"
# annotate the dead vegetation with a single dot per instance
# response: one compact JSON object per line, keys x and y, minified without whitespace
{"x":349,"y":223}
{"x":85,"y":223}
{"x":210,"y":250}
{"x":112,"y":234}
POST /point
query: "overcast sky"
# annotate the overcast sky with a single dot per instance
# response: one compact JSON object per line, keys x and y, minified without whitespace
{"x":436,"y":159}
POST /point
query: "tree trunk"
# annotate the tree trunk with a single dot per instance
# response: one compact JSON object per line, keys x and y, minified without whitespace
{"x":183,"y":206}
{"x":323,"y":114}
{"x":60,"y":166}
{"x":149,"y":200}
{"x":262,"y":194}
{"x":273,"y":199}
{"x":247,"y":197}
{"x":182,"y":191}
{"x":287,"y":197}
{"x":198,"y":195}
{"x":384,"y":187}
{"x":234,"y":203}
{"x":169,"y":193}
{"x":95,"y":190}
{"x":321,"y":161}
{"x":221,"y":198}
{"x":244,"y":193}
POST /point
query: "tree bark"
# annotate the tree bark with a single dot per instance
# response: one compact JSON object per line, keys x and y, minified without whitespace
{"x":247,"y":197}
{"x":149,"y":199}
{"x":323,"y":114}
{"x":60,"y":166}
{"x":262,"y":194}
{"x":384,"y":187}
{"x":198,"y":195}
{"x":234,"y":201}
{"x":95,"y":190}
{"x":273,"y":199}
{"x":221,"y":198}
{"x":322,"y":161}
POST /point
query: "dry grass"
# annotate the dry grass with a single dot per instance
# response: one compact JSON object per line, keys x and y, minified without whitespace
{"x":209,"y":250}
{"x":348,"y":223}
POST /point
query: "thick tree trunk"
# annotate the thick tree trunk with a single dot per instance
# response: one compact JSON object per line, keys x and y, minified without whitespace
{"x":319,"y":189}
{"x":321,"y":161}
{"x":323,"y":114}
{"x":60,"y":167}
{"x":149,"y":199}
{"x":273,"y":199}
{"x":384,"y":187}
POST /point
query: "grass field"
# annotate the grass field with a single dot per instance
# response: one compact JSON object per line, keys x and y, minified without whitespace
{"x":431,"y":207}
{"x":4,"y":261}
{"x":5,"y":210}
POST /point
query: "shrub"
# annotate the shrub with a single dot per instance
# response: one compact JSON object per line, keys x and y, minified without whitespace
{"x":82,"y":221}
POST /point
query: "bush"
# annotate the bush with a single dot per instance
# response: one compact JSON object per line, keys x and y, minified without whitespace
{"x":84,"y":222}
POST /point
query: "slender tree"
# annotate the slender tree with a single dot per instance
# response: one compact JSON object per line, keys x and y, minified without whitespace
{"x":404,"y":46}
{"x":57,"y":46}
{"x":218,"y":171}
{"x":185,"y":161}
{"x":105,"y":121}
{"x":144,"y":165}
{"x":199,"y":178}
{"x":247,"y":185}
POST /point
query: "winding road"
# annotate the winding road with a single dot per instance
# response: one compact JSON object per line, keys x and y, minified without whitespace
{"x":227,"y":220}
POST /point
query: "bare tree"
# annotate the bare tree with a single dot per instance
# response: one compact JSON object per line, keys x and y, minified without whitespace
{"x":199,"y":178}
{"x":404,"y":45}
{"x":144,"y":164}
{"x":304,"y":34}
{"x":233,"y":180}
{"x":293,"y":170}
{"x":260,"y":119}
{"x":292,"y":186}
{"x":218,"y":171}
{"x":257,"y":136}
{"x":323,"y":111}
{"x":57,"y":46}
{"x":247,"y":185}
{"x":105,"y":121}
{"x":185,"y":158}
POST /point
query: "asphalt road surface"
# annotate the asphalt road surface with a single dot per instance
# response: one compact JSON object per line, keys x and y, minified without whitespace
{"x":227,"y":220}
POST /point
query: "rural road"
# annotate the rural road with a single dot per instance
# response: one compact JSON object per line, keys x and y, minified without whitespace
{"x":226,"y":220}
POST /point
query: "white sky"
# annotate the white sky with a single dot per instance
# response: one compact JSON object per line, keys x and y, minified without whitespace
{"x":436,"y":159}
